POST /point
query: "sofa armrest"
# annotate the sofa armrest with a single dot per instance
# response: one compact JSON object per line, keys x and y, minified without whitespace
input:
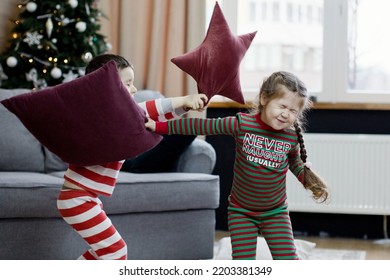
{"x":199,"y":157}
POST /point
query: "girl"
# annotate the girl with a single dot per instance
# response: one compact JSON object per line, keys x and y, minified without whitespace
{"x":269,"y":142}
{"x":78,"y":201}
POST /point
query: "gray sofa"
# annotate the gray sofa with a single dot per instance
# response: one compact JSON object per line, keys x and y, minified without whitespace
{"x":160,"y":215}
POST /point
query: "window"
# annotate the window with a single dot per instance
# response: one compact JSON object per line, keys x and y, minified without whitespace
{"x":368,"y":45}
{"x":339,"y":48}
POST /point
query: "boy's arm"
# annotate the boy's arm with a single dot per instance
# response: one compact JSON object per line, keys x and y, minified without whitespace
{"x":163,"y":109}
{"x":159,"y":109}
{"x":190,"y":102}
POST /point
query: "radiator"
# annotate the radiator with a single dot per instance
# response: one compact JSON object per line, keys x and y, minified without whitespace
{"x":356,"y":168}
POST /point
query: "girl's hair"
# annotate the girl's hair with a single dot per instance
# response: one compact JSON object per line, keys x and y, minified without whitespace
{"x":272,"y":88}
{"x":100,"y":60}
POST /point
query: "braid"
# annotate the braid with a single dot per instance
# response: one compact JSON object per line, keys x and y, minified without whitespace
{"x":301,"y":142}
{"x":311,"y":180}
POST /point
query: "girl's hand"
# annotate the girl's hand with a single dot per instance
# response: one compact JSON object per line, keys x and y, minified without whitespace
{"x":195,"y":102}
{"x":150,"y":125}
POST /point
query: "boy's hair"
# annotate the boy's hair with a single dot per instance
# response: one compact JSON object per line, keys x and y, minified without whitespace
{"x":271,"y":89}
{"x":100,"y":60}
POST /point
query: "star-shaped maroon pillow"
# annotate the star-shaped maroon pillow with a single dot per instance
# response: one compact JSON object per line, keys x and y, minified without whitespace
{"x":215,"y":63}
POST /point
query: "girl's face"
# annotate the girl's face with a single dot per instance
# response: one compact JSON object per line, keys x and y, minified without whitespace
{"x":127,"y":77}
{"x":281,"y":112}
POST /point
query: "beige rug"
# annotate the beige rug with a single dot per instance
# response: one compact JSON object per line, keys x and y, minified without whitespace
{"x":305,"y":249}
{"x":333,"y":254}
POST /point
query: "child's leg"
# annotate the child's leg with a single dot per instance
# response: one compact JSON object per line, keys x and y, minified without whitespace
{"x":83,"y":211}
{"x":277,"y":231}
{"x":243,"y":234}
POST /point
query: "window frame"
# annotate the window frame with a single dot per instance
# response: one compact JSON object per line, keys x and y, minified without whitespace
{"x":335,"y":56}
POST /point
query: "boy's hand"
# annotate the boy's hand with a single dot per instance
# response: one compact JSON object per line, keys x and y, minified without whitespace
{"x":195,"y":102}
{"x":150,"y":125}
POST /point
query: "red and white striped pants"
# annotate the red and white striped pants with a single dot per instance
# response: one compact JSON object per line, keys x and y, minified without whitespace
{"x":83,"y":211}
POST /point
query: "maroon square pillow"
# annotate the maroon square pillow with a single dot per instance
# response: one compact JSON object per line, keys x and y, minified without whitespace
{"x":214,"y":64}
{"x":90,"y":120}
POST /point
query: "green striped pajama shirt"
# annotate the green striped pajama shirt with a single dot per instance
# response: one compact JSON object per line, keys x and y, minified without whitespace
{"x":257,"y":202}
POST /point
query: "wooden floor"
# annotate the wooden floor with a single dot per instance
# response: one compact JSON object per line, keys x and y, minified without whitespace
{"x":374,"y":249}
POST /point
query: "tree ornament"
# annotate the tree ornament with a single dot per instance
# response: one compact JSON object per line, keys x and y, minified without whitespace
{"x":65,"y":21}
{"x":87,"y":10}
{"x":81,"y":26}
{"x":56,"y":72}
{"x":73,"y":3}
{"x":70,"y":76}
{"x":12,"y":61}
{"x":80,"y":70}
{"x":86,"y":57}
{"x":32,"y":75}
{"x":31,"y":7}
{"x":3,"y":76}
{"x":33,"y":38}
{"x":49,"y":26}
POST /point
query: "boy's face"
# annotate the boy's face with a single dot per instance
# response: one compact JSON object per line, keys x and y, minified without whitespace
{"x":127,"y":77}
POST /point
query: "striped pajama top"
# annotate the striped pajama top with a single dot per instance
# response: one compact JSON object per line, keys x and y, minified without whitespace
{"x":262,"y":156}
{"x":101,"y":179}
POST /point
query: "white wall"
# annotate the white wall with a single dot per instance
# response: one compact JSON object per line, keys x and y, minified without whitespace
{"x":8,"y":10}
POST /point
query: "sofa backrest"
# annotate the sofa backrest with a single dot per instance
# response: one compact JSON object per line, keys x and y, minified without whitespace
{"x":147,"y":94}
{"x":19,"y":149}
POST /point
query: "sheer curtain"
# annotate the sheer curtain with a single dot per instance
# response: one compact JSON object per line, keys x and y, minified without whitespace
{"x":149,"y":33}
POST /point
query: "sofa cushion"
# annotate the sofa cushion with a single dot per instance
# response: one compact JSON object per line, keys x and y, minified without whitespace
{"x":28,"y":194}
{"x":163,"y":192}
{"x":134,"y":193}
{"x":20,"y":150}
{"x":87,"y":121}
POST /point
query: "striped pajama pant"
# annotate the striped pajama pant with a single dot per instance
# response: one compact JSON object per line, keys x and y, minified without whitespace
{"x":275,"y":226}
{"x":83,"y":211}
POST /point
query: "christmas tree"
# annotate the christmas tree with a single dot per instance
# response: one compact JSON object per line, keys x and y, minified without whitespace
{"x":51,"y":43}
